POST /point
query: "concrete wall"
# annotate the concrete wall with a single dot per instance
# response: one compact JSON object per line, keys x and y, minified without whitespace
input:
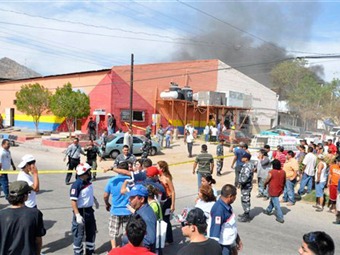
{"x":264,"y":103}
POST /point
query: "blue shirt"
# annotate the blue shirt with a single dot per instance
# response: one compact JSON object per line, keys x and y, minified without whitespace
{"x":150,"y":219}
{"x":119,"y":201}
{"x":239,"y":154}
{"x":82,"y":192}
{"x":223,"y":223}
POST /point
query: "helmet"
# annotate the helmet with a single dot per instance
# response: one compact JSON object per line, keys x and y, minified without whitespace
{"x":82,"y":168}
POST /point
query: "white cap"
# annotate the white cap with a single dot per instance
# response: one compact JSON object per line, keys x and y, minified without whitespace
{"x":109,"y":114}
{"x":26,"y":159}
{"x":82,"y":168}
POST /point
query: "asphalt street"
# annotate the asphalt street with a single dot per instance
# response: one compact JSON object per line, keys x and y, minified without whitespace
{"x":263,"y":235}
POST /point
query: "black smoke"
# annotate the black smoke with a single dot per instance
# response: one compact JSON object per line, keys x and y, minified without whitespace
{"x":266,"y":33}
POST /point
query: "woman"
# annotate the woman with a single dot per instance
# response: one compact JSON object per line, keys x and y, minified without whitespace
{"x":154,"y":204}
{"x":208,"y":180}
{"x":168,"y":205}
{"x":263,"y":167}
{"x":205,"y":202}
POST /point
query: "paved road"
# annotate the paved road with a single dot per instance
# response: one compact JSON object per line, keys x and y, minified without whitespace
{"x":262,"y":236}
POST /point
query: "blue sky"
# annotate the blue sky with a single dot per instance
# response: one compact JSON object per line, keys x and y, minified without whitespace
{"x":53,"y":37}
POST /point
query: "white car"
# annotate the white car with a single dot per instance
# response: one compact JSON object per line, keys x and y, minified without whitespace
{"x":334,"y":130}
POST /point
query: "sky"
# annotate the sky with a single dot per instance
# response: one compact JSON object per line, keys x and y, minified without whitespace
{"x":56,"y":37}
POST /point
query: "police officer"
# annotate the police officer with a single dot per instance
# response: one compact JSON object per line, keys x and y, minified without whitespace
{"x":82,"y":200}
{"x":147,"y":144}
{"x":219,"y":161}
{"x":91,"y":156}
{"x":246,"y":182}
{"x":73,"y":153}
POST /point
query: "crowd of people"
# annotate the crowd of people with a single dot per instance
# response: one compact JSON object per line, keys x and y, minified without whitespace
{"x":142,"y":195}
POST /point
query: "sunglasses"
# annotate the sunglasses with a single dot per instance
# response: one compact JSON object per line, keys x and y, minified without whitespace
{"x":185,"y":223}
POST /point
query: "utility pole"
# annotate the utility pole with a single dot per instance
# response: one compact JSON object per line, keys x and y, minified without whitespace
{"x":131,"y":97}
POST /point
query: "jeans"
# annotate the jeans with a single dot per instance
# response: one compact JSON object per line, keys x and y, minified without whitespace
{"x":262,"y":190}
{"x":199,"y":178}
{"x":275,"y":203}
{"x":288,"y":193}
{"x":206,"y":138}
{"x":167,"y":141}
{"x":160,"y":140}
{"x":4,"y":184}
{"x":226,"y":249}
{"x":189,"y":146}
{"x":307,"y":180}
{"x":237,"y":173}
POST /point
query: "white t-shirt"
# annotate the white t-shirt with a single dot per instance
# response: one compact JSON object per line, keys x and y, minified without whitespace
{"x":5,"y":159}
{"x":310,"y":162}
{"x":323,"y":177}
{"x":214,"y":131}
{"x":31,"y":201}
{"x":206,"y":208}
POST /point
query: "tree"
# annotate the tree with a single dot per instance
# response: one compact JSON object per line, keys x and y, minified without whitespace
{"x":70,"y":105}
{"x":33,"y":100}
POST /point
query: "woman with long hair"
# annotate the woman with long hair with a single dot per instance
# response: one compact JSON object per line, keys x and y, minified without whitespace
{"x":168,"y":205}
{"x":208,"y":180}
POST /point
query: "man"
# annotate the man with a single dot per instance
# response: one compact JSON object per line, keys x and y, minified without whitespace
{"x":138,"y":200}
{"x":276,"y":180}
{"x":317,"y":243}
{"x":309,"y":164}
{"x":128,"y":140}
{"x":113,"y":124}
{"x":5,"y":164}
{"x":232,"y":138}
{"x":333,"y":179}
{"x":73,"y":153}
{"x":91,"y":128}
{"x":21,"y":228}
{"x":82,"y":200}
{"x":213,"y":136}
{"x":194,"y":227}
{"x":189,"y":138}
{"x":91,"y":157}
{"x":246,"y":184}
{"x":109,"y":124}
{"x":223,"y":223}
{"x":332,"y":146}
{"x":280,"y":154}
{"x":29,"y":174}
{"x":205,"y":163}
{"x":148,"y":130}
{"x":291,"y":168}
{"x":206,"y":133}
{"x":147,"y":145}
{"x":160,"y":135}
{"x":135,"y":232}
{"x":239,"y":152}
{"x":119,"y":214}
{"x":126,"y":156}
{"x":269,"y":152}
{"x":219,"y":153}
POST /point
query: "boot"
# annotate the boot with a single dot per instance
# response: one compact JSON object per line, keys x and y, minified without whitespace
{"x":245,"y":218}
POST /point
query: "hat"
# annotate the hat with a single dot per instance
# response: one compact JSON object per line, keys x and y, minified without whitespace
{"x":246,"y":155}
{"x":321,"y":156}
{"x":82,"y":168}
{"x":109,"y":114}
{"x":26,"y":159}
{"x":138,"y":190}
{"x":196,"y":216}
{"x":233,"y":127}
{"x":152,"y":171}
{"x":18,"y":188}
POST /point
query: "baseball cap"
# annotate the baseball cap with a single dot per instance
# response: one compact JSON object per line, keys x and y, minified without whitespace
{"x":82,"y":168}
{"x":152,"y":171}
{"x":196,"y":217}
{"x":26,"y":159}
{"x":138,"y":190}
{"x":18,"y":188}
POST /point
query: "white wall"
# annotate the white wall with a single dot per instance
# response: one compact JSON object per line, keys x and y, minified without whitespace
{"x":264,"y":103}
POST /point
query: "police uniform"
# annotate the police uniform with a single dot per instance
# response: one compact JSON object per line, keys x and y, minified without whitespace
{"x":91,"y":158}
{"x":73,"y":152}
{"x":246,"y":182}
{"x":147,"y":144}
{"x":82,"y":192}
{"x":219,"y":161}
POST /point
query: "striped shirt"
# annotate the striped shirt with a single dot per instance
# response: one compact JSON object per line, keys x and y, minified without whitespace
{"x":204,"y":160}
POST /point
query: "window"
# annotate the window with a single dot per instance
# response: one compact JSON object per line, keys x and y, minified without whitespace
{"x":120,"y":140}
{"x":137,"y":140}
{"x":138,"y":116}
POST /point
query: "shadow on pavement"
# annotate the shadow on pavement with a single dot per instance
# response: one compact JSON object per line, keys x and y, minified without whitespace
{"x":57,"y":245}
{"x":285,"y":210}
{"x":105,"y":247}
{"x":255,"y":212}
{"x":45,"y":191}
{"x":49,"y":224}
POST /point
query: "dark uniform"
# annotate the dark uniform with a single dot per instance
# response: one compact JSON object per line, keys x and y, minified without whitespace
{"x":73,"y":153}
{"x":246,"y":183}
{"x":91,"y":126}
{"x":91,"y":158}
{"x":219,"y":161}
{"x":82,"y":192}
{"x":147,"y":144}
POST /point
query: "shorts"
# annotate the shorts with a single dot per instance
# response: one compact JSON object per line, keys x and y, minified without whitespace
{"x":117,"y":225}
{"x":319,"y":189}
{"x":333,"y":190}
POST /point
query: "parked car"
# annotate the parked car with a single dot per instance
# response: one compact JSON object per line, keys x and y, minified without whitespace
{"x":239,"y":135}
{"x":114,"y":145}
{"x":334,"y":130}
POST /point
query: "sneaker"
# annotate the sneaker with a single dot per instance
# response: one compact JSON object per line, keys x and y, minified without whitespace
{"x":316,"y":206}
{"x":283,"y":201}
{"x":267,"y":213}
{"x":259,"y":196}
{"x":241,"y":215}
{"x":319,"y":209}
{"x":265,"y":198}
{"x":280,"y":220}
{"x":290,"y":204}
{"x":337,"y":222}
{"x":218,"y":174}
